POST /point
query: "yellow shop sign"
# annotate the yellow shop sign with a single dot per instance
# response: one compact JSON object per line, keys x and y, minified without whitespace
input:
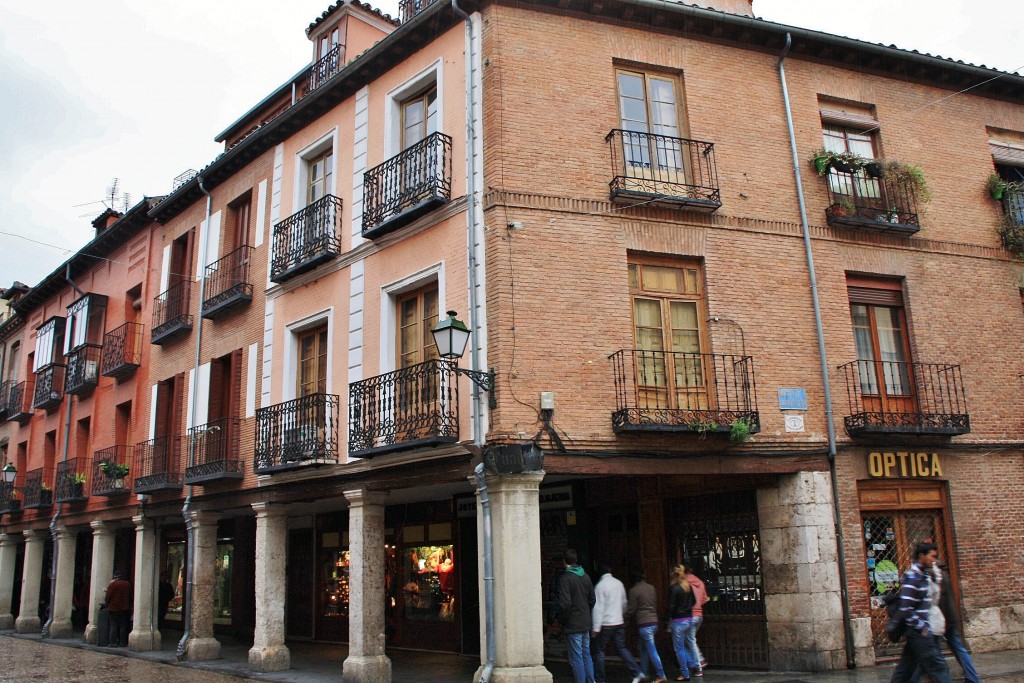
{"x":903,"y":464}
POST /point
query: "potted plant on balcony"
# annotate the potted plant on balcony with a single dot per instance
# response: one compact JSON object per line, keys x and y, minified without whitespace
{"x":45,"y":495}
{"x":739,"y":430}
{"x":116,"y":472}
{"x":78,"y":485}
{"x":844,"y":162}
{"x":1012,"y":234}
{"x":996,"y":186}
{"x":909,"y":178}
{"x":843,"y":206}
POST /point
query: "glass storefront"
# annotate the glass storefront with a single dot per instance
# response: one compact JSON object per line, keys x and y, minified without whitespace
{"x":428,"y":583}
{"x":222,"y":582}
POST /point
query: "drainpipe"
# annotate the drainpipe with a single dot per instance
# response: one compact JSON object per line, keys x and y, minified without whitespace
{"x":185,"y":511}
{"x":840,"y":554}
{"x":485,"y":511}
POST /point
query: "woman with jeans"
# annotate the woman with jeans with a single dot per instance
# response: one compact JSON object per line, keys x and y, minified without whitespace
{"x":642,"y":608}
{"x":680,"y":612}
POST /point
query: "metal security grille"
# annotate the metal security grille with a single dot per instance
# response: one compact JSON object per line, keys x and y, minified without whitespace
{"x":719,"y":535}
{"x":889,"y":539}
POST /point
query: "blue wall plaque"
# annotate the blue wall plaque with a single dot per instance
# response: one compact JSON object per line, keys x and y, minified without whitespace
{"x":792,"y":399}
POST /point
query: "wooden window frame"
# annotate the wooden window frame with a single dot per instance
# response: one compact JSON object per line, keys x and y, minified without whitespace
{"x":321,"y":337}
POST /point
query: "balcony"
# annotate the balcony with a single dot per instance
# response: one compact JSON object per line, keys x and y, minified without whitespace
{"x":323,"y":69}
{"x":407,"y":9}
{"x":407,"y":186}
{"x":297,"y":433}
{"x":70,"y":482}
{"x":38,"y":494}
{"x":49,"y":388}
{"x":306,"y":239}
{"x":415,"y":407}
{"x":110,"y":468}
{"x":19,"y":403}
{"x":158,"y":465}
{"x":227,"y":283}
{"x":214,"y":452}
{"x":663,"y":171}
{"x":122,"y":350}
{"x":895,"y":397}
{"x":170,"y":313}
{"x":83,"y":369}
{"x":858,"y":200}
{"x":666,"y":391}
{"x":5,"y":396}
{"x":10,"y":504}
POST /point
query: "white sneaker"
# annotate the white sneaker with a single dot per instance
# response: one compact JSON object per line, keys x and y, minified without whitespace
{"x":639,"y":677}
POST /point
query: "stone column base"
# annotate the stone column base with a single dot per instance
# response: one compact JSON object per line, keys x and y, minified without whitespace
{"x":143,"y":640}
{"x":6,"y":622}
{"x":516,"y":674}
{"x":366,"y":669}
{"x":272,"y":658}
{"x":202,"y":649}
{"x":27,"y":625}
{"x":92,"y":634}
{"x":61,"y":629}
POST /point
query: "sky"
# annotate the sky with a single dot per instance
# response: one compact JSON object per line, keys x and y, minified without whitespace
{"x":92,"y":91}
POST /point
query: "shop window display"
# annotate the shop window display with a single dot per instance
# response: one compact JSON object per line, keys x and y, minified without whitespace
{"x":176,"y":572}
{"x":429,"y":583}
{"x":222,"y":582}
{"x":335,"y":582}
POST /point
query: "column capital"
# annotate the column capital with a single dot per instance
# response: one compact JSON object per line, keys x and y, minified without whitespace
{"x":506,"y":482}
{"x":361,"y":497}
{"x":101,"y":527}
{"x":143,"y":523}
{"x":64,"y":533}
{"x":265,"y":509}
{"x":9,"y":539}
{"x":35,"y":534}
{"x":203,"y":517}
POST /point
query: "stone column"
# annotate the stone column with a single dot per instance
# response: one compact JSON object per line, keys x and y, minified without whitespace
{"x":801,"y":574}
{"x":518,"y":593}
{"x":366,"y":661}
{"x":101,"y":574}
{"x":60,"y":625}
{"x":8,"y":558}
{"x":269,"y":652}
{"x":201,"y":643}
{"x":144,"y":636}
{"x":31,"y":574}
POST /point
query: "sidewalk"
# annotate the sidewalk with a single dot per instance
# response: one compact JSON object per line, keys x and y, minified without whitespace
{"x":318,"y":662}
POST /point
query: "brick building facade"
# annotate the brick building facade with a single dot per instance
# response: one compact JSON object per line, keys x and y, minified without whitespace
{"x":629,"y":236}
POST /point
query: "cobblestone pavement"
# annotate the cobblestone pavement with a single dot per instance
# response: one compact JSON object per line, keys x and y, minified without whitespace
{"x":26,"y":661}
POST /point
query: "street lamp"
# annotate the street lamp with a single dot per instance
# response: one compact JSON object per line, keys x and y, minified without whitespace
{"x":450,"y":337}
{"x":9,"y":473}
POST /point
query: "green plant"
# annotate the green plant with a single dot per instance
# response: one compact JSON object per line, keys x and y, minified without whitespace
{"x":44,"y":487}
{"x":739,"y":430}
{"x":909,"y":178}
{"x":702,"y":427}
{"x":847,"y":162}
{"x":113,"y":469}
{"x":996,"y":186}
{"x":78,"y":478}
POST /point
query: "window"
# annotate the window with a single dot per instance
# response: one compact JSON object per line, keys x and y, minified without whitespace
{"x":859,"y":184}
{"x":312,"y":374}
{"x":12,"y":361}
{"x":321,"y":170}
{"x":649,"y":111}
{"x":419,"y":117}
{"x":85,"y":322}
{"x":49,"y":343}
{"x":667,"y":302}
{"x":239,"y":215}
{"x":880,"y":335}
{"x":328,"y":42}
{"x":417,"y":316}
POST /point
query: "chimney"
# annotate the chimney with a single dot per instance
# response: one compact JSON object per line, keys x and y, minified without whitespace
{"x":105,"y":220}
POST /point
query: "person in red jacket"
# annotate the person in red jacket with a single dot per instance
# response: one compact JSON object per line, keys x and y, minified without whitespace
{"x":118,"y":600}
{"x":701,"y":595}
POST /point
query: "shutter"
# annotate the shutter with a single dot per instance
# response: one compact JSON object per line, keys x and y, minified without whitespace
{"x":1006,"y":155}
{"x":849,"y":119}
{"x":165,"y":269}
{"x":877,"y":297}
{"x":235,"y":388}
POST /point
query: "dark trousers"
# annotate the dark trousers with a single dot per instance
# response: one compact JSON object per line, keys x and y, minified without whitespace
{"x":119,"y":628}
{"x":617,"y":636}
{"x":921,"y":651}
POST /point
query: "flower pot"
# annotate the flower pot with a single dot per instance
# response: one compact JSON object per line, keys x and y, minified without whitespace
{"x":820,"y":164}
{"x":839,"y":210}
{"x":873,"y":169}
{"x":844,"y":166}
{"x":45,"y":497}
{"x":997,"y":193}
{"x":77,"y":490}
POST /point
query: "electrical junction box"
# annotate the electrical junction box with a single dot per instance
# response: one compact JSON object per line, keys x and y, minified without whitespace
{"x":547,"y":400}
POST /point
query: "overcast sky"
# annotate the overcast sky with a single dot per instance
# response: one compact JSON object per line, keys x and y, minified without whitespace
{"x":90,"y":91}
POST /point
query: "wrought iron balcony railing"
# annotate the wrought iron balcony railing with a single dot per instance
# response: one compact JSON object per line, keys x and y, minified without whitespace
{"x":83,"y":369}
{"x":214,"y":452}
{"x":10,"y":504}
{"x":122,"y":350}
{"x":323,"y":69}
{"x":5,"y":396}
{"x":306,"y":239}
{"x":227,"y":283}
{"x":1013,"y":207}
{"x":19,"y":404}
{"x":170,"y":313}
{"x":667,"y":391}
{"x":158,"y":465}
{"x":71,"y":480}
{"x":407,"y":9}
{"x":407,"y":186}
{"x":662,"y":170}
{"x":858,"y":200}
{"x":49,"y":388}
{"x":414,"y":407}
{"x":297,"y":433}
{"x":110,"y":469}
{"x":38,"y":489}
{"x":897,"y":397}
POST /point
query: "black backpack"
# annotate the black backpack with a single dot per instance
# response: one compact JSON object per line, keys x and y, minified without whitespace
{"x":894,"y":625}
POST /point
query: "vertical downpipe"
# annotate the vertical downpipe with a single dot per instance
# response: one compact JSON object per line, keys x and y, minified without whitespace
{"x":840,"y":551}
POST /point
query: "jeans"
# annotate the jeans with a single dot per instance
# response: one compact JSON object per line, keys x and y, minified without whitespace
{"x":681,"y":630}
{"x":963,"y":658}
{"x":922,"y":651}
{"x":692,"y":640}
{"x":617,"y":635}
{"x":579,"y":656}
{"x":649,"y":652}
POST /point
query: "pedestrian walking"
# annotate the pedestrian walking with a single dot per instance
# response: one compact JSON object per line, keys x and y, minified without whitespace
{"x":940,"y":573}
{"x":680,"y":612}
{"x":642,"y":609}
{"x":164,"y":596}
{"x":700,"y":596}
{"x":917,"y":594}
{"x":576,"y":599}
{"x":610,"y":624}
{"x":118,"y":599}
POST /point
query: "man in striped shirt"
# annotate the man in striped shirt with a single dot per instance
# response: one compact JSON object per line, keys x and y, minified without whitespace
{"x":916,"y":595}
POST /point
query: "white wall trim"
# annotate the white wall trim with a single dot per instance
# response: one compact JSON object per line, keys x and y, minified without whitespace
{"x":360,"y":145}
{"x":275,"y":206}
{"x":268,"y":352}
{"x":261,"y":213}
{"x":250,"y":380}
{"x":393,"y":104}
{"x":291,"y":349}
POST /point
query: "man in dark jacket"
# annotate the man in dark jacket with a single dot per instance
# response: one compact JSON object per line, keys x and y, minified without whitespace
{"x":575,"y":600}
{"x":952,"y":634}
{"x":915,"y":602}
